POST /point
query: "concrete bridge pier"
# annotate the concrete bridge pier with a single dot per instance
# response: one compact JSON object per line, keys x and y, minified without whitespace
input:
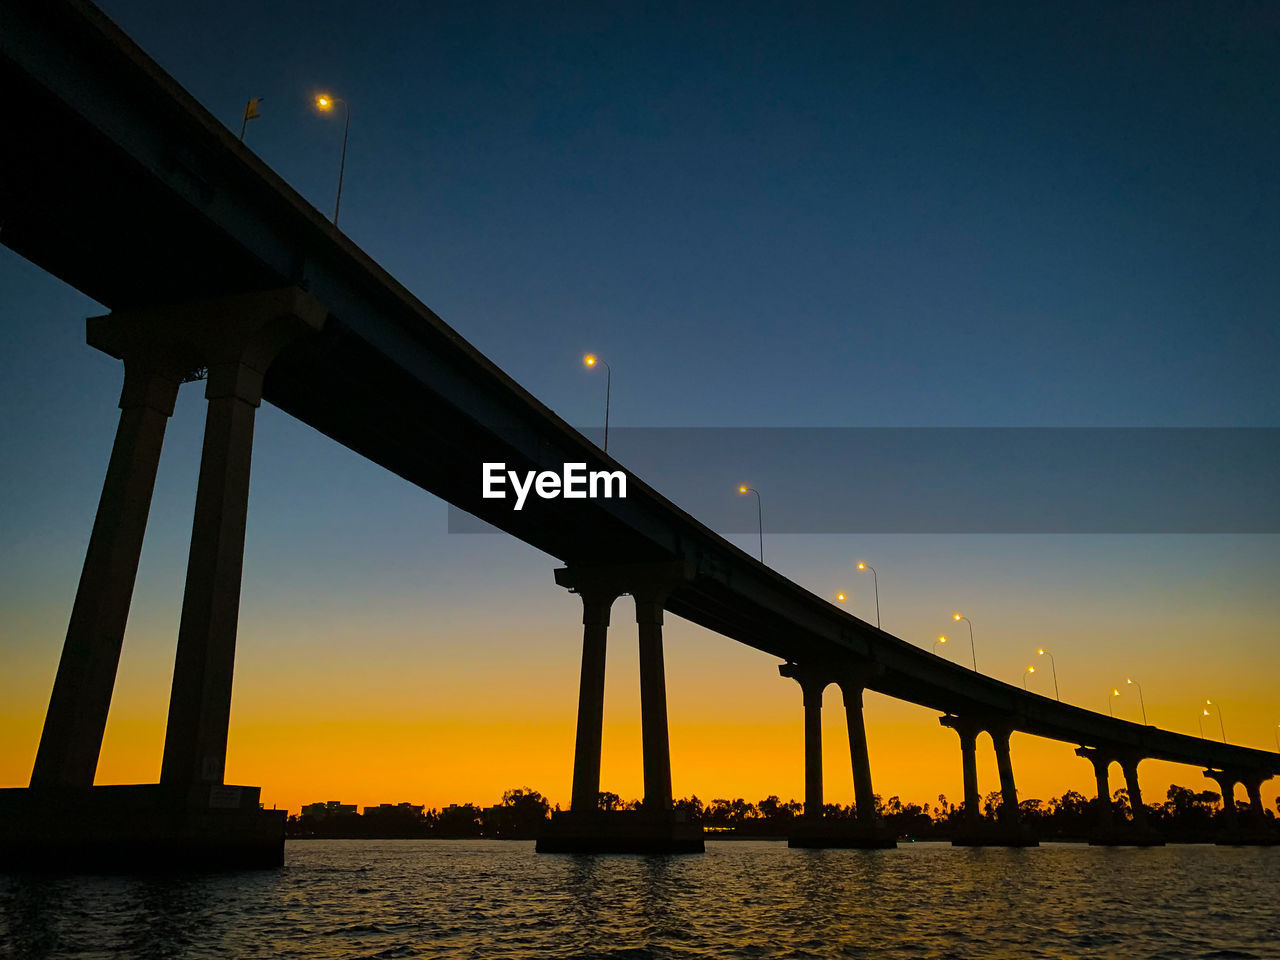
{"x":864,"y":795}
{"x":1253,"y":830}
{"x":76,"y":720}
{"x":1008,"y":830}
{"x":1226,"y":781}
{"x":1109,"y":832}
{"x":864,"y":831}
{"x":656,"y":827}
{"x":1008,"y":813}
{"x":655,"y":739}
{"x":1253,"y":786}
{"x":816,"y":830}
{"x":968,"y":732}
{"x":1137,"y":807}
{"x":812,"y":686}
{"x":191,"y":818}
{"x":1101,"y":772}
{"x":596,"y":606}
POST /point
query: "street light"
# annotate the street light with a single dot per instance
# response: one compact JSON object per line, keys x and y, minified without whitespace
{"x":1134,"y":683}
{"x":325,"y":103}
{"x":759,"y":515}
{"x":1114,"y":693}
{"x":1042,"y":652}
{"x":875,"y":580}
{"x":935,"y":644}
{"x":841,"y":598}
{"x":591,"y":360}
{"x":1026,"y":673}
{"x":1221,"y":726}
{"x":958,"y":617}
{"x":1200,"y":720}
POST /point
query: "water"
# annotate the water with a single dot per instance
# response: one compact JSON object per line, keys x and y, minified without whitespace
{"x":494,"y":900}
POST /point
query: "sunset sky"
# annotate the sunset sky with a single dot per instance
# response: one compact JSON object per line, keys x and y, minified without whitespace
{"x":761,"y":215}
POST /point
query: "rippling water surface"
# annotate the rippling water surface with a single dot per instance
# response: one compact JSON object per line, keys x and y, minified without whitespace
{"x":405,"y":898}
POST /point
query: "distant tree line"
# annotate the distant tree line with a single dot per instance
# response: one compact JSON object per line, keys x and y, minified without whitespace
{"x":519,"y":817}
{"x":1184,"y":815}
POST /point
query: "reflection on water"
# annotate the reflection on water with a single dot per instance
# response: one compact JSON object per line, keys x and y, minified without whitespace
{"x":385,"y":899}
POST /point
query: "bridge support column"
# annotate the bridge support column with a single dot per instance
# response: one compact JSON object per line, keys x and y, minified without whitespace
{"x":1108,"y":832}
{"x":1008,"y":790}
{"x":974,"y":832}
{"x":815,"y":829}
{"x":77,"y":717}
{"x":653,"y":703}
{"x":191,"y":818}
{"x":657,"y":827}
{"x":968,"y":731}
{"x":246,"y":335}
{"x":864,"y":796}
{"x":1253,"y":784}
{"x":812,"y":685}
{"x":1101,"y":772}
{"x":1226,"y":781}
{"x":1136,"y":806}
{"x":1254,"y":830}
{"x":586,"y":756}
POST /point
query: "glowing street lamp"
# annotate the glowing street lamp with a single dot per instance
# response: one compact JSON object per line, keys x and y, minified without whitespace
{"x":1025,"y":674}
{"x":841,"y":598}
{"x":325,"y":103}
{"x":759,"y":515}
{"x":958,"y":617}
{"x":1134,"y":683}
{"x":1276,"y":731}
{"x":935,"y":644}
{"x":1114,"y":693}
{"x":1200,"y":720}
{"x":876,"y":582}
{"x":1221,"y":726}
{"x":590,"y":360}
{"x":1042,"y":652}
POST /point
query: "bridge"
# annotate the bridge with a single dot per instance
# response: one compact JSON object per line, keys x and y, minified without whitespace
{"x":214,"y":270}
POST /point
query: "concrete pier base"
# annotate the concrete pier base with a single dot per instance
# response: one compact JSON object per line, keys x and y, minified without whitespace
{"x":994,"y":835}
{"x":143,"y":828}
{"x":841,"y":834}
{"x":619,"y":832}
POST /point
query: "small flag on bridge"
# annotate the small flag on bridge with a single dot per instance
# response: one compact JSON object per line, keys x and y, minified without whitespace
{"x":250,"y":113}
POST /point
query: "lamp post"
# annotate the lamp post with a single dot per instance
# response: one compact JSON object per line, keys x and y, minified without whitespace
{"x":325,"y":103}
{"x":935,"y":644}
{"x":958,"y":617}
{"x":1134,"y":683}
{"x":1042,"y":652}
{"x":590,"y":360}
{"x":1114,"y":693}
{"x":1025,"y":674}
{"x":1200,"y":720}
{"x":875,"y":580}
{"x":1221,"y":725}
{"x":759,"y":515}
